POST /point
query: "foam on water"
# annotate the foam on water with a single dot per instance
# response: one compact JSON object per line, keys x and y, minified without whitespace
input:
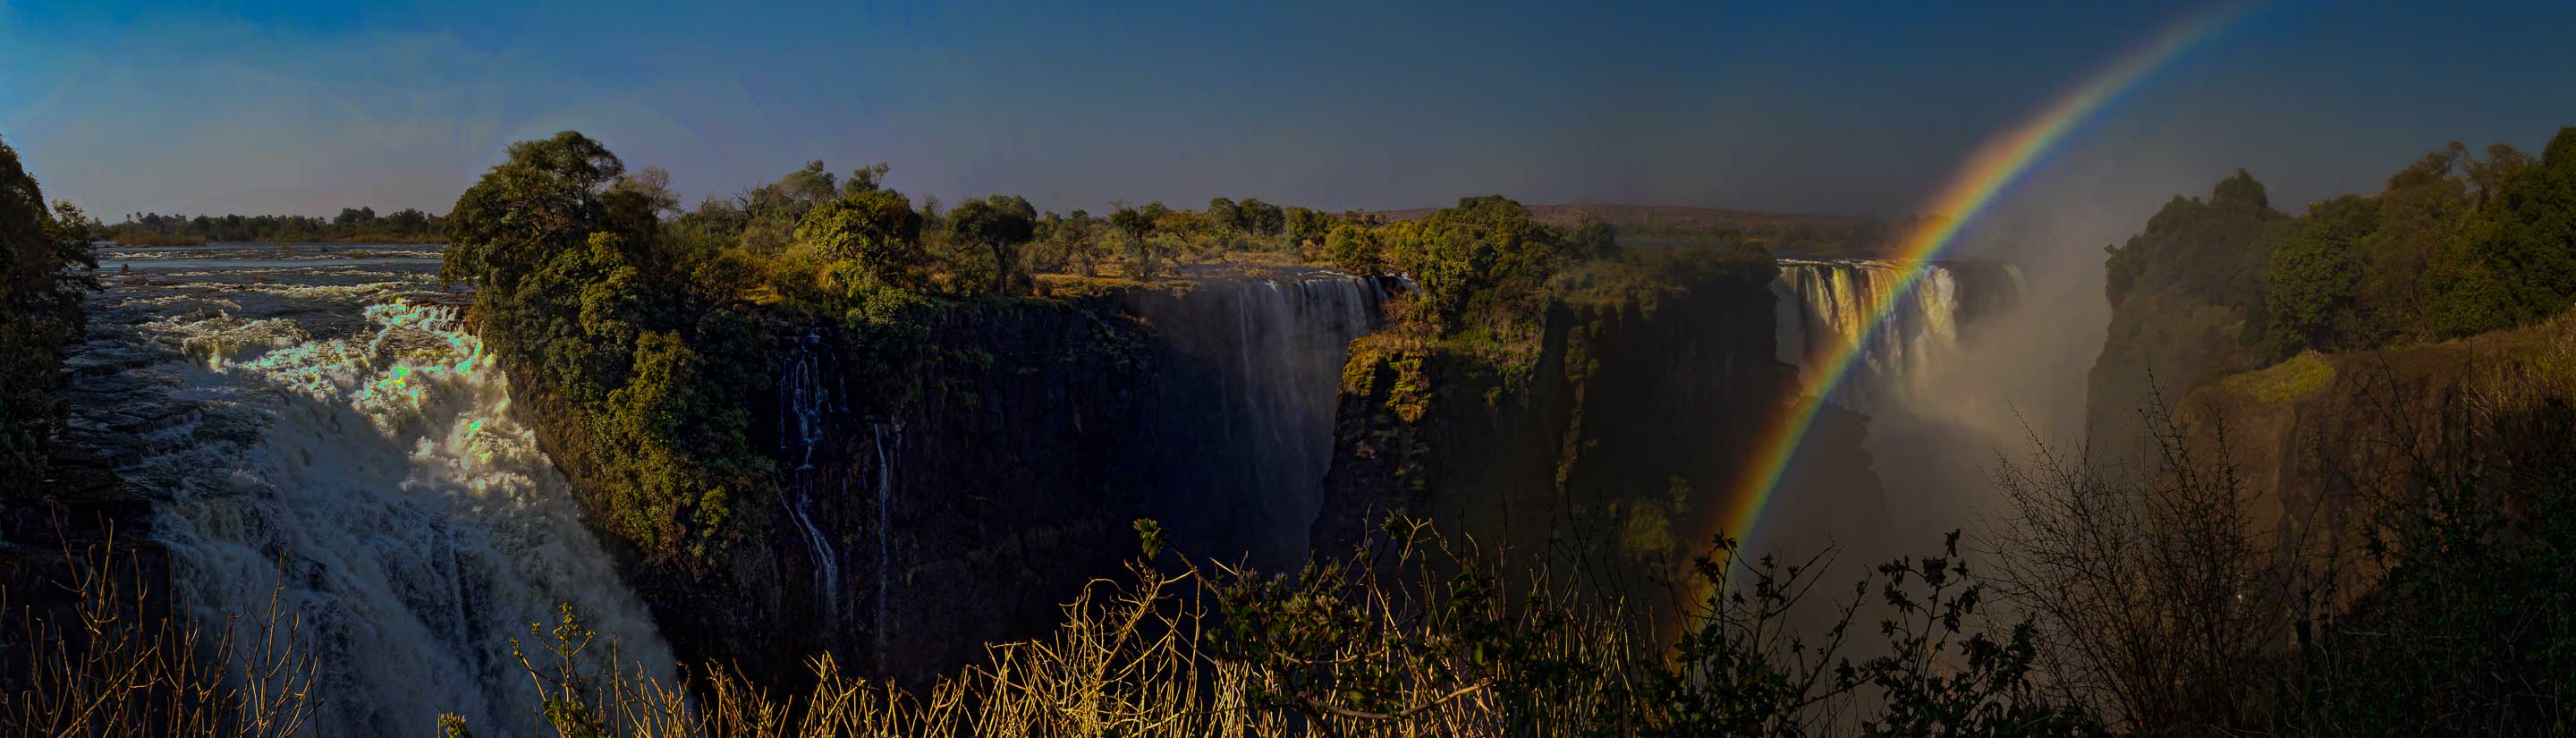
{"x":352,"y":450}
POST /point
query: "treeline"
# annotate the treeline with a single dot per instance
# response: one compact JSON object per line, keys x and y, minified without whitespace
{"x":2455,"y":244}
{"x":352,"y":225}
{"x":810,"y":239}
{"x":641,"y":316}
{"x":45,"y":267}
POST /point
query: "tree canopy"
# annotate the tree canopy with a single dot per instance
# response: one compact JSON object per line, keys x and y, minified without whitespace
{"x":45,"y":268}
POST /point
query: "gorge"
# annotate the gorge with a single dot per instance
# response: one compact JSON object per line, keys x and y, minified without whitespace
{"x":325,"y":417}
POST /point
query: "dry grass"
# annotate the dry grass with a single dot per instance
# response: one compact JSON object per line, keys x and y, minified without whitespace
{"x":118,"y":669}
{"x":1132,"y":658}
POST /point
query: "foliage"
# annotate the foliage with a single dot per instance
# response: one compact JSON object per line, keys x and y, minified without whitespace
{"x":2315,"y":274}
{"x":45,"y":269}
{"x":2454,"y":614}
{"x":1355,"y":250}
{"x":2212,"y":250}
{"x":1406,"y":636}
{"x":356,"y":225}
{"x":1484,"y":262}
{"x":582,"y":291}
{"x":2153,"y":591}
{"x":2452,"y":246}
{"x":870,"y":239}
{"x":1593,"y":238}
{"x":2515,"y":262}
{"x":123,"y":659}
{"x":993,"y":228}
{"x":2293,"y":378}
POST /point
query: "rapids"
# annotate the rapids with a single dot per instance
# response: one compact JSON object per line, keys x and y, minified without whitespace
{"x":312,"y":421}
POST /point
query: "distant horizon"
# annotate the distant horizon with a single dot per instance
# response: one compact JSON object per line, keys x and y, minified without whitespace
{"x":123,"y":216}
{"x":304,"y":108}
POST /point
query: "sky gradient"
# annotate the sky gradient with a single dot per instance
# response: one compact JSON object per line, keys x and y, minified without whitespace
{"x":1845,"y":108}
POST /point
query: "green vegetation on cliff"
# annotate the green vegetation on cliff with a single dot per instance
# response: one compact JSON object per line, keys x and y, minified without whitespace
{"x":2452,"y":246}
{"x":2361,"y":435}
{"x":44,"y":270}
{"x":648,"y":330}
{"x":582,"y":293}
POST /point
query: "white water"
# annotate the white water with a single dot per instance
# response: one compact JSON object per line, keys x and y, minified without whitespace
{"x":885,"y":537}
{"x":1276,"y":352}
{"x":313,"y":428}
{"x":801,"y":391}
{"x":1824,"y":305}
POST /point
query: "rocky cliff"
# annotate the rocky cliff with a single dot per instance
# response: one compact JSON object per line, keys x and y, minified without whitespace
{"x":943,"y":489}
{"x":1607,"y":442}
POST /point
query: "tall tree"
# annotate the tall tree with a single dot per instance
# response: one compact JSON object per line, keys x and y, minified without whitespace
{"x":544,"y":198}
{"x":2314,"y":275}
{"x":1486,"y":258}
{"x":45,"y":267}
{"x":998,"y":224}
{"x":1225,"y":216}
{"x":873,"y":239}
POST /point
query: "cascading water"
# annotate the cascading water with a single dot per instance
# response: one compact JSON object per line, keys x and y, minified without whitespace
{"x":1275,"y":348}
{"x":1824,"y":304}
{"x":885,"y":537}
{"x":801,"y":392}
{"x":309,"y":426}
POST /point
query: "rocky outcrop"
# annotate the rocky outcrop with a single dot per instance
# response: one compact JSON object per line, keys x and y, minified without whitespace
{"x":2317,"y":438}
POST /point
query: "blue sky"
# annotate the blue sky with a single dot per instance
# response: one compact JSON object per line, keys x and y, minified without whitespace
{"x":1839,"y":108}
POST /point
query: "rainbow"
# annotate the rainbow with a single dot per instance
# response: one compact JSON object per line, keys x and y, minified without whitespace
{"x":1996,"y":165}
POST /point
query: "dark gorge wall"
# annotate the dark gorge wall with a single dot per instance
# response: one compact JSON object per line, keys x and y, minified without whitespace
{"x":940,"y":490}
{"x":1611,"y":440}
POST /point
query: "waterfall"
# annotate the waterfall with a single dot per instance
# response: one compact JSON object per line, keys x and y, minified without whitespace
{"x":1825,"y":304}
{"x":801,"y":395}
{"x":366,"y":468}
{"x":1271,"y":352}
{"x":885,"y":535}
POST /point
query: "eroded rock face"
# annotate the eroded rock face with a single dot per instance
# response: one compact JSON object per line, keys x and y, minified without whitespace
{"x":955,"y":489}
{"x":1616,"y":438}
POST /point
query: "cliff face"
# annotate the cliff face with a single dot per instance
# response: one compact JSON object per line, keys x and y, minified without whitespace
{"x":1610,"y":439}
{"x":2160,"y":346}
{"x":941,"y":490}
{"x":2315,"y":438}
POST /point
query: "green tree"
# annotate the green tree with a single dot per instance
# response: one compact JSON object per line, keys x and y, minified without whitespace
{"x":773,"y":211}
{"x":1593,"y":238}
{"x":1137,"y":227}
{"x":2502,"y":163}
{"x":1307,"y":226}
{"x":2211,"y":250}
{"x":2314,"y":275}
{"x":1260,"y":218}
{"x":1354,"y":250}
{"x":995,"y":227}
{"x":872,"y":239}
{"x":1485,"y":259}
{"x":2516,"y":262}
{"x":1225,"y":216}
{"x":45,"y":268}
{"x":544,"y":198}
